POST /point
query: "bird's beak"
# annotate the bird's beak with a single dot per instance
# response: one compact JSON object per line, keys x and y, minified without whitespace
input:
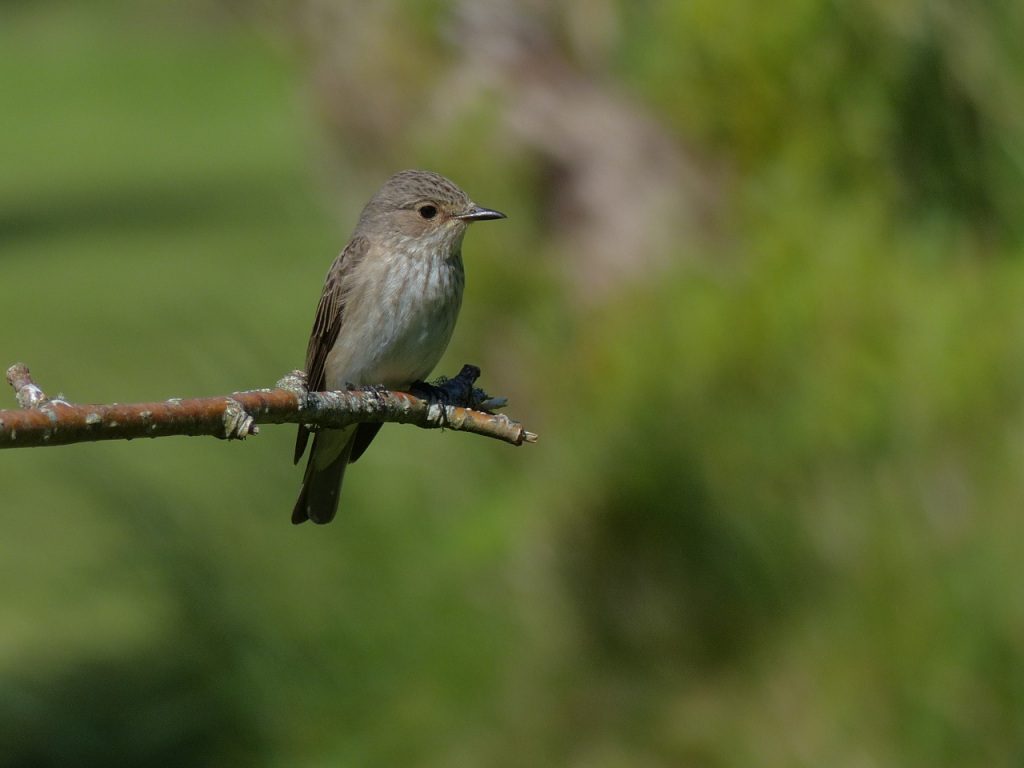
{"x":476,"y":213}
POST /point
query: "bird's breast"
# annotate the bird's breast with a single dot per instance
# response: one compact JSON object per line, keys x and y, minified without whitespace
{"x":398,"y":320}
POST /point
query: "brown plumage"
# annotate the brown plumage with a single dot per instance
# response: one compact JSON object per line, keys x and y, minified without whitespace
{"x":387,"y":312}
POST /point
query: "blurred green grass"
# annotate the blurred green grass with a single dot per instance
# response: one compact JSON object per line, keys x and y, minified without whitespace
{"x":773,"y":517}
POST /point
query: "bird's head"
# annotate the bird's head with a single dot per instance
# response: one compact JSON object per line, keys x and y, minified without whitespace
{"x":424,"y":207}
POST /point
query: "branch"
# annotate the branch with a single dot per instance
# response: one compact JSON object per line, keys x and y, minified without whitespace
{"x":454,"y":404}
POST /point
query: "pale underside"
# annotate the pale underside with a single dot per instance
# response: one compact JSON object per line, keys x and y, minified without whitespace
{"x":398,"y":317}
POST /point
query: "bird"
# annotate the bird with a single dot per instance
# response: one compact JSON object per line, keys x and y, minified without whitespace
{"x":386,"y":314}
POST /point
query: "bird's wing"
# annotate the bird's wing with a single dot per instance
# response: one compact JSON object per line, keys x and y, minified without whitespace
{"x":330,"y":313}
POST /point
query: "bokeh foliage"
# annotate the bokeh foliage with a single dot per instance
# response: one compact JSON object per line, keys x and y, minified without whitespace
{"x":774,"y":515}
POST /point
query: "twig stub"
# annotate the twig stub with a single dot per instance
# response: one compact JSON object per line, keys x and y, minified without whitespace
{"x":25,"y":390}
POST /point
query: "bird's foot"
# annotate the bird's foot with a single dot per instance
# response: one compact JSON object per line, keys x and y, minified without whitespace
{"x":459,"y":391}
{"x":379,"y":391}
{"x":432,"y":393}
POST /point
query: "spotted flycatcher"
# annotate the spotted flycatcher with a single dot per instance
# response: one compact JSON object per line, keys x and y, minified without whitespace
{"x":386,"y":314}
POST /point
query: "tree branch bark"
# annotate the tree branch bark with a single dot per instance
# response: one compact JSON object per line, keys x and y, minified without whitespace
{"x":453,"y":404}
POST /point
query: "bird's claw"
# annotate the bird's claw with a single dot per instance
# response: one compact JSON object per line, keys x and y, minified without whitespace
{"x":432,"y":393}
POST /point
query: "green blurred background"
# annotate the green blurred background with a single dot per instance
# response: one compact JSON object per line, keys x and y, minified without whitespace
{"x":760,"y":293}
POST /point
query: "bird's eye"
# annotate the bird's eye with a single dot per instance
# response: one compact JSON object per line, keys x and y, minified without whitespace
{"x":428,"y":211}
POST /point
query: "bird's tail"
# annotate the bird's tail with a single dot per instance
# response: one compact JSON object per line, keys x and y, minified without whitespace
{"x":325,"y":469}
